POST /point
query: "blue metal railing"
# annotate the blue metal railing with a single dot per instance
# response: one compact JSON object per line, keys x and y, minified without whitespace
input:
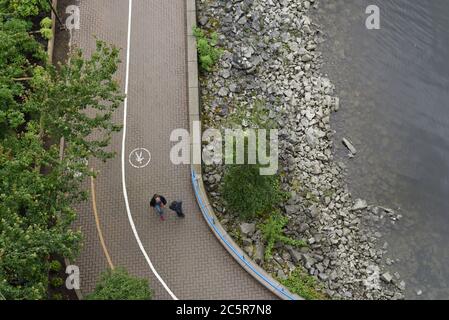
{"x":211,"y":222}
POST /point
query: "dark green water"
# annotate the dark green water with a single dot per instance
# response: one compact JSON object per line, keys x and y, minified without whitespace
{"x":394,"y":90}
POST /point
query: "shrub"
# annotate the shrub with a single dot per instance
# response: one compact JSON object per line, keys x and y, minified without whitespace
{"x":304,"y":285}
{"x":248,"y":193}
{"x":18,"y":52}
{"x":24,"y":8}
{"x":56,"y":282}
{"x":272,"y":231}
{"x":119,"y":285}
{"x":55,"y":266}
{"x":46,"y":28}
{"x":208,"y":52}
{"x":57,"y":296}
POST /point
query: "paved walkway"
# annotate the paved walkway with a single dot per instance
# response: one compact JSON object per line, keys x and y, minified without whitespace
{"x":185,"y":254}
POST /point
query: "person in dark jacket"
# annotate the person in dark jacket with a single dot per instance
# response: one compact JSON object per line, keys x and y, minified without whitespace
{"x":176,"y":206}
{"x":158,"y":202}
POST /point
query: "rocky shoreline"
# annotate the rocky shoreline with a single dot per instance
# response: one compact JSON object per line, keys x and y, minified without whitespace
{"x":271,"y":58}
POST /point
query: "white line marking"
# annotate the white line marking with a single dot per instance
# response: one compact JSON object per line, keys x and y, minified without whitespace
{"x":125,"y":192}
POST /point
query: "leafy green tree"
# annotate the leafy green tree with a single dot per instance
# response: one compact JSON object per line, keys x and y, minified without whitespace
{"x":37,"y":188}
{"x":35,"y":215}
{"x":78,"y":100}
{"x":119,"y":285}
{"x":24,"y":8}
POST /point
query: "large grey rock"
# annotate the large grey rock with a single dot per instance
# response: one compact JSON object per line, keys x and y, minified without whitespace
{"x":234,"y":87}
{"x":259,"y":253}
{"x":203,"y":20}
{"x":296,"y":255}
{"x":306,"y":58}
{"x":248,"y":229}
{"x":307,"y":260}
{"x":314,"y":211}
{"x":311,"y":137}
{"x":386,"y":277}
{"x":223,"y":92}
{"x":359,"y":204}
{"x":292,"y":209}
{"x":323,"y":276}
{"x":226,"y":73}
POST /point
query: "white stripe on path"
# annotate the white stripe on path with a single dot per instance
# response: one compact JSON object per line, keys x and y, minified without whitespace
{"x":125,"y":192}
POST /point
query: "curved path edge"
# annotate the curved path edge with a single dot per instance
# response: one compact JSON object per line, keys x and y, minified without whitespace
{"x":200,"y":192}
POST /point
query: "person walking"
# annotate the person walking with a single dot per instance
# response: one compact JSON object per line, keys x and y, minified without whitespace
{"x":176,"y":206}
{"x":158,"y":202}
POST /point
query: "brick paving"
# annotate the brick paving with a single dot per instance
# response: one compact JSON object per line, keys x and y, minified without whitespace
{"x":184,"y":252}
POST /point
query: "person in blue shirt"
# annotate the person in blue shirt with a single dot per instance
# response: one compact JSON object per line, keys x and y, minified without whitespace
{"x":158,"y":202}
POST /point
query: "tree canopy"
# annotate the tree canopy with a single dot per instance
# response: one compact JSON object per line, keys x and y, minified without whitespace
{"x":24,"y":8}
{"x":39,"y":104}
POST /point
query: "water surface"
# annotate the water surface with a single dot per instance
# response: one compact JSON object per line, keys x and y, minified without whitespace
{"x":394,"y":90}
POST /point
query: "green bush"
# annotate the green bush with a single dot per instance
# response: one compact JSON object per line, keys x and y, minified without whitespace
{"x":18,"y":52}
{"x":208,"y":52}
{"x":272,"y":231}
{"x":119,"y":285}
{"x":46,"y":28}
{"x":57,"y":296}
{"x":55,"y":266}
{"x":24,"y":8}
{"x":56,"y":282}
{"x":304,"y":285}
{"x":248,"y":193}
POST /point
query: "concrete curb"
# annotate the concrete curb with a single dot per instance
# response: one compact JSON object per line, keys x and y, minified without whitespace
{"x":50,"y":50}
{"x":200,"y":192}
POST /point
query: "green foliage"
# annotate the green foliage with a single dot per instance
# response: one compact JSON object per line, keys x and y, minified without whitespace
{"x":248,"y":193}
{"x":46,"y":28}
{"x":55,"y":266}
{"x":24,"y":8}
{"x":254,"y":113}
{"x":37,"y":189}
{"x":64,"y":96}
{"x":57,"y":296}
{"x":56,"y":282}
{"x":272,"y":231}
{"x":119,"y":285}
{"x":208,"y":52}
{"x":19,"y":56}
{"x":304,"y":285}
{"x":46,"y":23}
{"x":35,"y":216}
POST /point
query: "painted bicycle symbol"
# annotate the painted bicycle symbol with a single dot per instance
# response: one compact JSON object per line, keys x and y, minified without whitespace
{"x":140,"y":158}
